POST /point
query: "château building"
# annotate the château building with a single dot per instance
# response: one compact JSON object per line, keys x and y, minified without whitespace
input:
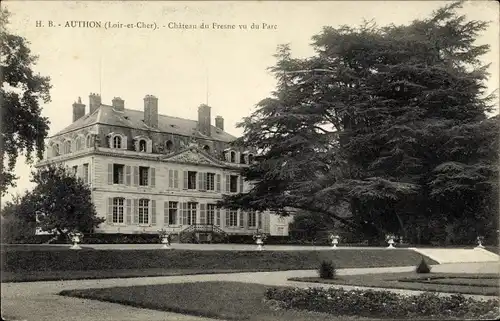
{"x":149,"y":171}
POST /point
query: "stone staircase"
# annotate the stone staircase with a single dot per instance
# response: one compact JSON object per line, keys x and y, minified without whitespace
{"x":450,"y":255}
{"x":199,"y":232}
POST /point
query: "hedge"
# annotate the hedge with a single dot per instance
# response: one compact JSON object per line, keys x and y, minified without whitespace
{"x":371,"y":303}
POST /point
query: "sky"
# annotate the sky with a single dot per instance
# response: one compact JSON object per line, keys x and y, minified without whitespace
{"x":226,"y":68}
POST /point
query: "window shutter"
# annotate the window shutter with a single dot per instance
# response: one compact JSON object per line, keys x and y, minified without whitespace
{"x":200,"y":181}
{"x":129,"y":211}
{"x":153,"y":212}
{"x":170,"y":178}
{"x":218,"y":182}
{"x":242,"y":219}
{"x":80,"y":172}
{"x":176,"y":179}
{"x":127,"y":175}
{"x":165,"y":213}
{"x":203,"y":213}
{"x":241,"y":184}
{"x":153,"y":179}
{"x":227,"y":217}
{"x":185,"y":186}
{"x":110,"y":174}
{"x":136,"y":175}
{"x":124,"y":142}
{"x":136,"y":211}
{"x":228,"y":183}
{"x":217,"y":216}
{"x":110,"y":211}
{"x":260,"y":220}
{"x":205,"y":181}
{"x":184,"y":214}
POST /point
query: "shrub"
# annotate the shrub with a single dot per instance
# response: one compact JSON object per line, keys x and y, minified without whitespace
{"x":370,"y":303}
{"x":423,"y":267}
{"x":326,"y":270}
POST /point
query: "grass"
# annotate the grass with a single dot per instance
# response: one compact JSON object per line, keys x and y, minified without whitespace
{"x":220,"y":300}
{"x":486,"y":284}
{"x":60,"y":264}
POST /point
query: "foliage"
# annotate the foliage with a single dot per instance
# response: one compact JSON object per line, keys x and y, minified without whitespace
{"x":423,"y":267}
{"x":390,"y":120}
{"x":327,"y":270}
{"x":18,"y":219}
{"x":24,"y":129}
{"x":372,"y":303}
{"x":310,"y":226}
{"x":60,"y":202}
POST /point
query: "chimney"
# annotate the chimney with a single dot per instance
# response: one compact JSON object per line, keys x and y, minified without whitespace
{"x":118,"y":104}
{"x":204,"y":120}
{"x":94,"y":102}
{"x":219,"y":122}
{"x":151,"y":111}
{"x":78,"y":110}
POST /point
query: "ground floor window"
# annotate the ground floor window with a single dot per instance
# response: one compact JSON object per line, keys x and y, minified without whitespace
{"x":118,"y":210}
{"x":233,"y":218}
{"x":252,"y":219}
{"x":210,"y":214}
{"x":172,"y":213}
{"x":143,"y":211}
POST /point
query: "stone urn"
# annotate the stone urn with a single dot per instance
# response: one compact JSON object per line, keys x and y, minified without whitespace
{"x":164,"y":239}
{"x":390,"y":240}
{"x":76,"y":238}
{"x":335,"y":240}
{"x":259,"y":239}
{"x":480,"y":240}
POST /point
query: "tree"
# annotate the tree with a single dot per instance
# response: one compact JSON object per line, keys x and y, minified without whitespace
{"x":23,"y":128}
{"x":62,"y":201}
{"x":311,"y":226}
{"x":18,"y":219}
{"x":375,"y":119}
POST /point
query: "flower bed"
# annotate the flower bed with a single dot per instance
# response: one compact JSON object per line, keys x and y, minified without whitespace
{"x":381,"y":304}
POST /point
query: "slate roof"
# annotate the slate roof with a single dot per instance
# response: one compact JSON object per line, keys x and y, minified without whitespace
{"x":132,"y":118}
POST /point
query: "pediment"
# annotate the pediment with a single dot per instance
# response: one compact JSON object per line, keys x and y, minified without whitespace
{"x":192,"y":156}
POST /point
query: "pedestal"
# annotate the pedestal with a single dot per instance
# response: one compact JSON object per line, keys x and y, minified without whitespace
{"x":75,"y":246}
{"x":259,"y":245}
{"x":391,"y":244}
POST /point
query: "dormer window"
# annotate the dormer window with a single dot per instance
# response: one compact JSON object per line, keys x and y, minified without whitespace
{"x":232,"y":156}
{"x":117,"y":142}
{"x":78,"y":144}
{"x":88,"y":141}
{"x":242,"y":159}
{"x":142,"y":146}
{"x":169,"y":145}
{"x":250,"y":159}
{"x":67,"y":147}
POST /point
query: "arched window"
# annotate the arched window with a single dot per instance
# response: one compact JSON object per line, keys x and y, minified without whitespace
{"x":143,"y":211}
{"x":169,"y":145}
{"x":78,"y":144}
{"x":206,"y":148}
{"x":117,"y":142}
{"x":88,"y":141}
{"x":142,"y":145}
{"x":118,"y":210}
{"x":67,"y":147}
{"x":233,"y":157}
{"x":242,"y":158}
{"x":55,"y":150}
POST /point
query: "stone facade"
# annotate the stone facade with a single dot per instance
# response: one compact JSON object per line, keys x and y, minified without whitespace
{"x":149,"y":171}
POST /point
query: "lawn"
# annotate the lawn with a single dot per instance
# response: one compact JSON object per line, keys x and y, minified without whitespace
{"x":61,"y":264}
{"x":486,"y":284}
{"x":221,"y":300}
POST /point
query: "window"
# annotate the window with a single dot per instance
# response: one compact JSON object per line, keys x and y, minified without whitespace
{"x":233,"y":218}
{"x":252,"y":219}
{"x":88,"y":141}
{"x":118,"y":210}
{"x":233,"y":157}
{"x":169,"y":145}
{"x":118,"y":170}
{"x":233,"y":184}
{"x":117,"y":142}
{"x":210,"y":182}
{"x":250,"y":158}
{"x":85,"y":173}
{"x":143,"y":211}
{"x":173,"y":178}
{"x":143,"y":176}
{"x":210,"y":214}
{"x":191,"y":215}
{"x":78,"y":144}
{"x":75,"y":170}
{"x":55,"y":150}
{"x":142,"y":145}
{"x":172,"y":213}
{"x":192,"y":180}
{"x":206,"y":148}
{"x":67,"y":147}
